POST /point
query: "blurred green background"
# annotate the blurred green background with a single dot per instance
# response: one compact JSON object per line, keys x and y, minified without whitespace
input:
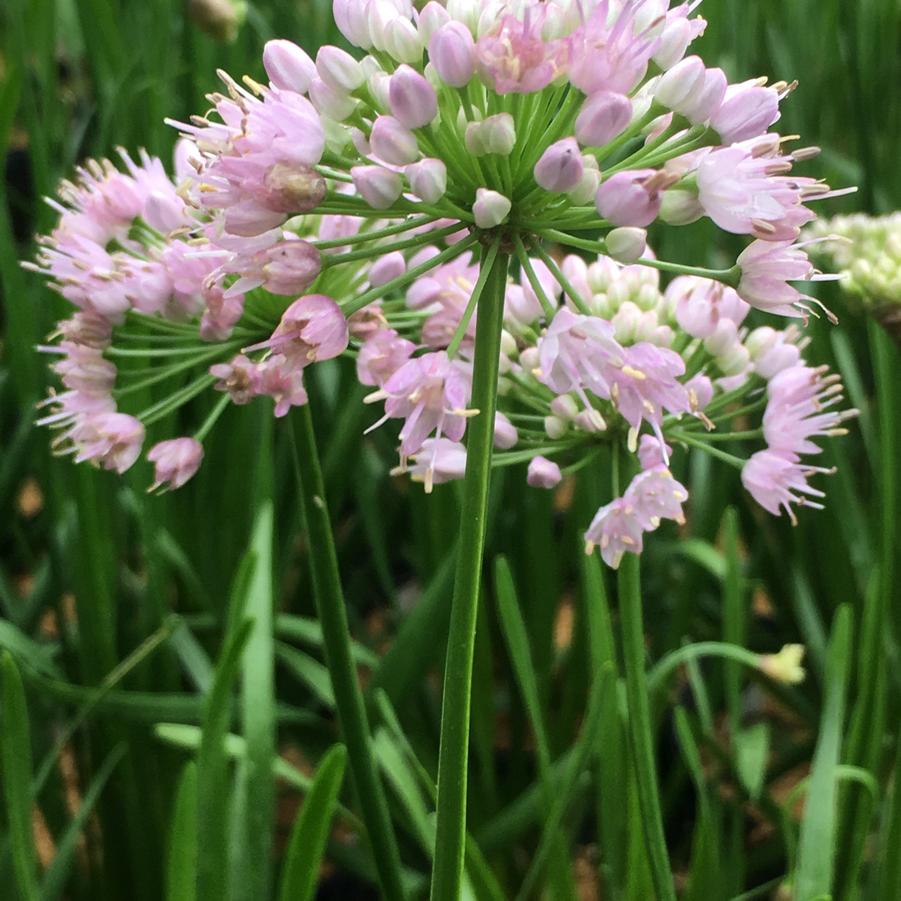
{"x":90,"y":565}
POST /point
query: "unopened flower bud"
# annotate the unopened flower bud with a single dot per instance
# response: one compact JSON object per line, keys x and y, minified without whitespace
{"x":624,"y":200}
{"x":543,"y":473}
{"x":431,"y":18}
{"x":554,"y":427}
{"x":680,"y":83}
{"x":603,"y":116}
{"x":564,"y":406}
{"x":490,"y":208}
{"x":175,"y":461}
{"x":392,"y":142}
{"x":626,"y":244}
{"x":680,"y":207}
{"x":465,"y":11}
{"x":746,"y":112}
{"x":402,"y":41}
{"x":707,"y":100}
{"x":673,"y":43}
{"x":505,"y":433}
{"x":339,"y":70}
{"x":428,"y":179}
{"x":334,"y":104}
{"x":591,"y":421}
{"x":496,"y":134}
{"x":352,"y":19}
{"x":379,"y":187}
{"x":288,"y":66}
{"x":588,"y":185}
{"x":560,"y":168}
{"x":387,"y":268}
{"x":452,"y":52}
{"x":529,"y":359}
{"x":290,"y":267}
{"x":785,"y":666}
{"x":411,"y":98}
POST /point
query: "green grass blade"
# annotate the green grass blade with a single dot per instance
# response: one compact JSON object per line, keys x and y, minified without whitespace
{"x":517,"y":640}
{"x":212,"y":772}
{"x":15,"y":755}
{"x":181,"y":859}
{"x":308,"y":837}
{"x":816,"y":844}
{"x":258,"y":711}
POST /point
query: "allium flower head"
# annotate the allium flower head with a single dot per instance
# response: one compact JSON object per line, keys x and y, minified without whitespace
{"x":376,"y":201}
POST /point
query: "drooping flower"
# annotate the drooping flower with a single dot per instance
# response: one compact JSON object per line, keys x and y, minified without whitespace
{"x":176,"y":461}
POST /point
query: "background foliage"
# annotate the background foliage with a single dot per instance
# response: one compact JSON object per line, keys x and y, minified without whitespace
{"x":99,"y":797}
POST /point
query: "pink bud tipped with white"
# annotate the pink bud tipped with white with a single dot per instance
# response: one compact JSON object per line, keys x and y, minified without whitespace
{"x":603,"y":116}
{"x":452,"y":52}
{"x":428,"y":179}
{"x":175,"y":462}
{"x":288,"y":66}
{"x":560,"y":167}
{"x":392,"y":142}
{"x":339,"y":70}
{"x":412,"y":99}
{"x":379,"y":187}
{"x":746,"y":112}
{"x":490,"y":208}
{"x":625,"y":199}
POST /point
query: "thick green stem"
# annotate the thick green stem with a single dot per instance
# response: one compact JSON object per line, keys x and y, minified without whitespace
{"x":642,"y":739}
{"x":329,"y":599}
{"x":453,"y":756}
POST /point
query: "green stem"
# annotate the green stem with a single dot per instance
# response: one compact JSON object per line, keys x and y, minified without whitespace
{"x":453,"y":755}
{"x":329,"y":599}
{"x":642,"y":738}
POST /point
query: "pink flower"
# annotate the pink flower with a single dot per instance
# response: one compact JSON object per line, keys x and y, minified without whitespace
{"x":577,"y":352}
{"x":113,"y":440}
{"x":381,"y":356}
{"x":221,"y":313}
{"x":773,"y":351}
{"x":749,"y":195}
{"x":776,"y":481}
{"x":276,"y":261}
{"x":513,"y":57}
{"x":312,"y":328}
{"x":767,"y":267}
{"x":176,"y":461}
{"x":798,"y":409}
{"x":608,"y":53}
{"x":237,"y":377}
{"x":439,"y":460}
{"x":258,"y":160}
{"x":646,"y":385}
{"x":430,"y":393}
{"x":616,"y":530}
{"x":650,"y":453}
{"x":281,"y":379}
{"x":655,"y":495}
{"x":701,"y":303}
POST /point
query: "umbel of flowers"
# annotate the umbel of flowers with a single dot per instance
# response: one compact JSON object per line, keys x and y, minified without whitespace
{"x":866,"y":251}
{"x":357,"y":205}
{"x":461,"y":206}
